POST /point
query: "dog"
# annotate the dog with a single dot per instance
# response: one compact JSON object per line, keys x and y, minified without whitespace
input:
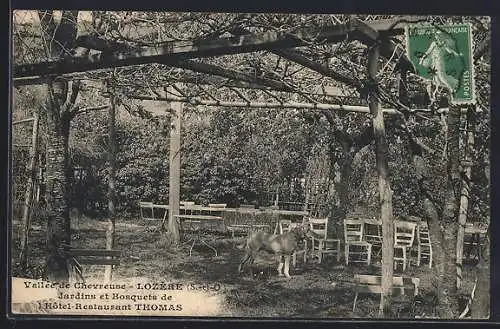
{"x":281,"y":245}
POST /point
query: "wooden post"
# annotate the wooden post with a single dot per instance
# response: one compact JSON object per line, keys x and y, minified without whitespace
{"x":464,"y":195}
{"x":110,"y":231}
{"x":28,"y":196}
{"x":383,"y":184}
{"x":39,"y":179}
{"x":175,"y":170}
{"x":307,"y":192}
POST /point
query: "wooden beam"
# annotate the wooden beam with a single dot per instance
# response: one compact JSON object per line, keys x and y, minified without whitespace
{"x":96,"y":43}
{"x":112,"y":154}
{"x":35,"y":80}
{"x":174,"y":189}
{"x":206,"y":80}
{"x":365,"y":31}
{"x":89,"y":261}
{"x":298,"y":58}
{"x":294,"y":56}
{"x":394,"y":26}
{"x":379,"y":25}
{"x":306,"y":106}
{"x":216,"y":81}
{"x":231,"y":74}
{"x":187,"y":78}
{"x":23,"y":121}
{"x":93,"y":42}
{"x":385,"y":193}
{"x":276,"y":105}
{"x":28,"y":196}
{"x":94,"y":252}
{"x":180,"y":50}
{"x":368,"y":35}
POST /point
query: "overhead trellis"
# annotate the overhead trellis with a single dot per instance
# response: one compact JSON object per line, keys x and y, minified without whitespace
{"x":235,"y":58}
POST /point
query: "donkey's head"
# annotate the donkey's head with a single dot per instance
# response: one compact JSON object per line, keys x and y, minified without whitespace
{"x":302,"y":231}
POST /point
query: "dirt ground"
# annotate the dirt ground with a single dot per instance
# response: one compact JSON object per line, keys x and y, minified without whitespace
{"x":314,"y":291}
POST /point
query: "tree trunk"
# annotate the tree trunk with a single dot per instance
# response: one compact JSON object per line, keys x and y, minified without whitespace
{"x":464,"y":197}
{"x":60,"y":38}
{"x":28,"y":198}
{"x":57,"y":193}
{"x":110,"y":231}
{"x":384,"y":186}
{"x":443,"y":250}
{"x":350,"y":149}
{"x":442,"y":243}
{"x":175,"y":171}
{"x":453,"y":165}
{"x":480,"y":308}
{"x":447,"y":238}
{"x":442,"y":232}
{"x":341,"y":187}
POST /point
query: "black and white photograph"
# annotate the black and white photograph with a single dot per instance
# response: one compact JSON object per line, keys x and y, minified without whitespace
{"x":249,"y":165}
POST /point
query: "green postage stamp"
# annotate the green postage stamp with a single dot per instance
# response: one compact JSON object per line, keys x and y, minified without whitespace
{"x":443,"y":54}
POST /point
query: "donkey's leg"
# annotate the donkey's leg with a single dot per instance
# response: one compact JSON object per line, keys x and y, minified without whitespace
{"x":243,"y":261}
{"x":250,"y":264}
{"x":287,"y":266}
{"x":280,"y":266}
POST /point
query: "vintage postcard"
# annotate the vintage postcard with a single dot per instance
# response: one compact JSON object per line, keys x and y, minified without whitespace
{"x":298,"y":166}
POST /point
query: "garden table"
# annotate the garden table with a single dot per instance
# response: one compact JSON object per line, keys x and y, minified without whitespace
{"x":474,"y":242}
{"x":196,"y":222}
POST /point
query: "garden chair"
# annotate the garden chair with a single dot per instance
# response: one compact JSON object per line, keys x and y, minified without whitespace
{"x":147,"y":206}
{"x":424,"y":247}
{"x":373,"y":235}
{"x":474,"y":238}
{"x":354,"y":243}
{"x":404,"y":235}
{"x":188,"y":207}
{"x":216,"y":209}
{"x":320,"y":243}
{"x":283,"y":225}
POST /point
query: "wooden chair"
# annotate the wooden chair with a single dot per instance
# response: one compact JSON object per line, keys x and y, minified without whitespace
{"x":472,"y":241}
{"x":217,"y":205}
{"x":320,"y":243}
{"x":216,"y":209}
{"x":354,"y":243}
{"x":404,"y":235}
{"x":283,"y":225}
{"x":188,"y":207}
{"x":147,"y":206}
{"x":424,"y":247}
{"x":373,"y":235}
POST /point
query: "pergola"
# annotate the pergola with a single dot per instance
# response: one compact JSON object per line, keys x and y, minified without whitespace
{"x":249,"y":61}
